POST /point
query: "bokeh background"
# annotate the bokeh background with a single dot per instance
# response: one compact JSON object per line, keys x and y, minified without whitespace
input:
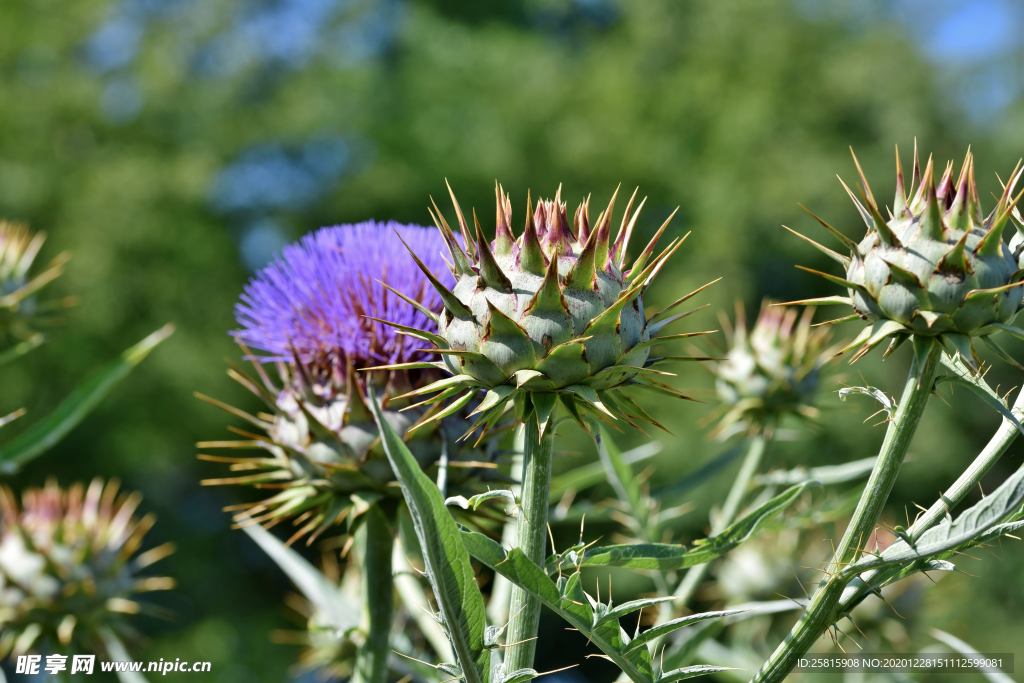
{"x":173,"y":146}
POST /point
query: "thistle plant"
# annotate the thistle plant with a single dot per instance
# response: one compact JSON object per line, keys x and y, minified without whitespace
{"x":938,"y":269}
{"x":771,"y":371}
{"x":551,"y":317}
{"x":937,"y":273}
{"x":558,"y":583}
{"x":316,"y":313}
{"x":70,"y":570}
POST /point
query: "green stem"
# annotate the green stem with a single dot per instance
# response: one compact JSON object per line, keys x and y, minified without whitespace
{"x":533,"y":533}
{"x":821,"y":613}
{"x":953,"y":496}
{"x":501,"y":591}
{"x":751,"y":463}
{"x":378,"y":595}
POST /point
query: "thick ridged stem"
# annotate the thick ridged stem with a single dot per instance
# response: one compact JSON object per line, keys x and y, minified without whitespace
{"x":501,"y":592}
{"x":751,"y":462}
{"x":951,"y":497}
{"x":821,"y":613}
{"x":378,"y":595}
{"x":533,"y":533}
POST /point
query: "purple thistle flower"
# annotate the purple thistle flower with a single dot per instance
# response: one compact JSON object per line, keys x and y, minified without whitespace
{"x":314,"y":296}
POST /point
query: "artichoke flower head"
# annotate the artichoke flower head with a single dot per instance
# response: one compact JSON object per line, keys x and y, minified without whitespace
{"x":771,"y":370}
{"x":937,"y":267}
{"x":551,"y":316}
{"x":314,"y":313}
{"x":70,"y":567}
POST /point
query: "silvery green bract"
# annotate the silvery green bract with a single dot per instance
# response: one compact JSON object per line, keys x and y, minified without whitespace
{"x":937,"y":267}
{"x":551,"y":315}
{"x":69,"y":568}
{"x":771,"y":370}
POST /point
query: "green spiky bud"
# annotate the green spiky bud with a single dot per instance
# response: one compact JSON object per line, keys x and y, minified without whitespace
{"x":770,"y":371}
{"x":937,"y":267}
{"x":553,"y":312}
{"x":70,"y":568}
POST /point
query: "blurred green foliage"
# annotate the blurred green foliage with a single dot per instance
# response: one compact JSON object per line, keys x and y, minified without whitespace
{"x":160,"y":142}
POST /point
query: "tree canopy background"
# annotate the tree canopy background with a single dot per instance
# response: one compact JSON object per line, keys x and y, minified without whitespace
{"x":172,"y":146}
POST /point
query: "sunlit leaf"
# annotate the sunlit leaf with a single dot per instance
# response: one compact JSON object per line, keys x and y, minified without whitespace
{"x":45,"y":434}
{"x":447,"y":563}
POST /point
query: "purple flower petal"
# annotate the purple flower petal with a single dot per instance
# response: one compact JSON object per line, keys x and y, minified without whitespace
{"x":314,"y":296}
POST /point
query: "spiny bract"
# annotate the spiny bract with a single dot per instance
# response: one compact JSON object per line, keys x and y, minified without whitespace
{"x":18,"y":285}
{"x":315,"y":312}
{"x":68,"y":567}
{"x":937,"y":267}
{"x":550,"y":314}
{"x":770,"y":371}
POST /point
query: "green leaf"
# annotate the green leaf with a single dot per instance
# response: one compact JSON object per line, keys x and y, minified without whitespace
{"x":660,"y":630}
{"x":632,"y":606}
{"x":475,"y":501}
{"x":447,"y":563}
{"x":566,"y":599}
{"x":666,"y":556}
{"x":963,"y":374}
{"x":977,"y":524}
{"x":887,"y":403}
{"x":988,"y":398}
{"x":853,"y":589}
{"x":45,"y":434}
{"x":686,"y":646}
{"x":324,"y":596}
{"x":690,"y":672}
{"x":520,"y":676}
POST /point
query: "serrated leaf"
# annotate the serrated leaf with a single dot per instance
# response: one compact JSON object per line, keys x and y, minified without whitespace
{"x":632,"y":606}
{"x":325,"y":597}
{"x":686,"y":645}
{"x":965,"y":376}
{"x":46,"y":433}
{"x":691,"y":672}
{"x":448,"y":566}
{"x":569,"y":602}
{"x":979,"y":523}
{"x":666,"y":556}
{"x":660,"y":630}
